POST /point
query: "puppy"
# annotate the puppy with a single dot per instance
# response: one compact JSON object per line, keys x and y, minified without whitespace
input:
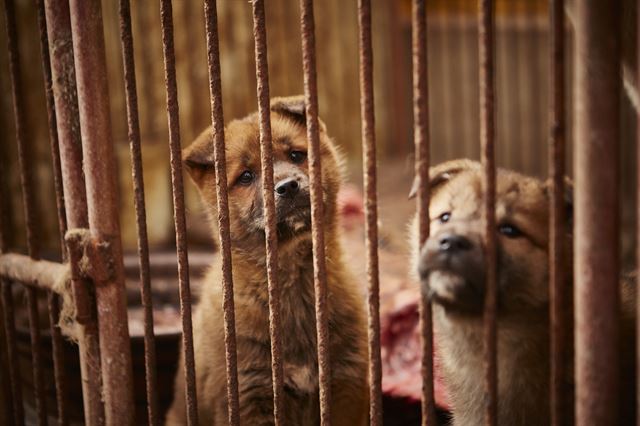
{"x":347,"y":321}
{"x":451,"y":267}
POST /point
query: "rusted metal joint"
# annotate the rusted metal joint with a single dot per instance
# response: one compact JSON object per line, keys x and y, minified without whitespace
{"x":90,"y":257}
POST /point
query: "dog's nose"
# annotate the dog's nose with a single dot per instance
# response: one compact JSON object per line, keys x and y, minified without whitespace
{"x":454,"y":243}
{"x":287,"y":188}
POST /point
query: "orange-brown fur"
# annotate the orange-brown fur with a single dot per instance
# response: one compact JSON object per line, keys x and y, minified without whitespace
{"x":456,"y":286}
{"x":347,"y":326}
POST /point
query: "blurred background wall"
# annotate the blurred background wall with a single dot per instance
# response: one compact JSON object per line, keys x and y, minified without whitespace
{"x":522,"y":92}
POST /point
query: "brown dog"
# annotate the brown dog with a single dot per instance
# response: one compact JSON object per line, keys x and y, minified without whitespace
{"x":347,"y":322}
{"x":451,"y":265}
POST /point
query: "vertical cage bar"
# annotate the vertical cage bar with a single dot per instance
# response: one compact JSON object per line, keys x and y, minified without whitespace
{"x":30,"y":213}
{"x":266,"y":160}
{"x":217,"y":119}
{"x":12,"y":352}
{"x":178,"y":208}
{"x":557,"y":282}
{"x":52,"y":299}
{"x":102,"y":203}
{"x":638,"y":227}
{"x":16,"y":412}
{"x":597,"y":115}
{"x":70,"y":152}
{"x":307,"y":29}
{"x":422,"y":160}
{"x":487,"y":140}
{"x":126,"y":40}
{"x":371,"y":208}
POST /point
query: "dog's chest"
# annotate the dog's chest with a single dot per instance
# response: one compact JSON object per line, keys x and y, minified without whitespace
{"x":298,"y":331}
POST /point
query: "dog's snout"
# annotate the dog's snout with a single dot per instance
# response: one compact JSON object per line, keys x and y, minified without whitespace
{"x":287,"y":188}
{"x":452,"y":243}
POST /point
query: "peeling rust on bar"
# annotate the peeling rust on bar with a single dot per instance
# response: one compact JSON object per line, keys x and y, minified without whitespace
{"x":597,"y":118}
{"x":422,"y":160}
{"x":126,"y":39}
{"x":52,"y":299}
{"x":217,"y":119}
{"x":371,"y":209}
{"x":307,"y":29}
{"x":178,"y":208}
{"x":266,"y":159}
{"x":70,"y":151}
{"x":557,"y":283}
{"x":102,"y":203}
{"x":487,"y":140}
{"x":30,"y":213}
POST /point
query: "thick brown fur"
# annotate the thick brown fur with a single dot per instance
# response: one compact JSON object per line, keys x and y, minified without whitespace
{"x":451,"y":265}
{"x":347,"y":321}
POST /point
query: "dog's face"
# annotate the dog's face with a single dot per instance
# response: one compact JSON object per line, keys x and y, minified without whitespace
{"x":244,"y":175}
{"x":452,"y":261}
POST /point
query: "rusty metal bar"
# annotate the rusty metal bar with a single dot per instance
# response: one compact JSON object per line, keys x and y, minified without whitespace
{"x":52,"y":299}
{"x":178,"y":208}
{"x":30,"y":213}
{"x":14,"y":400}
{"x":422,"y":160}
{"x":102,"y":203}
{"x":597,"y":114}
{"x":638,"y":228}
{"x":126,"y":39}
{"x":6,"y":407}
{"x":307,"y":29}
{"x":42,"y":274}
{"x":487,"y":139}
{"x":557,"y":281}
{"x":217,"y":119}
{"x":12,"y":353}
{"x":70,"y":151}
{"x":367,"y":114}
{"x":271,"y":237}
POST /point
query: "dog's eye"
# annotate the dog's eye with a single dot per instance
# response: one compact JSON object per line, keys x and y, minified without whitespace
{"x":444,"y":217}
{"x":246,"y":177}
{"x":297,"y":156}
{"x":509,"y":230}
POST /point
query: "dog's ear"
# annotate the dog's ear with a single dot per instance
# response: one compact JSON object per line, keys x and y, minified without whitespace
{"x":442,"y":173}
{"x":198,"y":156}
{"x":568,"y":200}
{"x":293,"y":107}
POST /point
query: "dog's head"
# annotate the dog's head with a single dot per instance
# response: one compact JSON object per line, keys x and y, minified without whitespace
{"x":452,"y":262}
{"x":244,"y":175}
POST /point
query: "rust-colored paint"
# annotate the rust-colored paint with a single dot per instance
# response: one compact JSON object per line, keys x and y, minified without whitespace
{"x":486,"y":42}
{"x":371,"y":209}
{"x":52,"y":299}
{"x":222,"y":195}
{"x":597,"y":117}
{"x":30,"y":208}
{"x":266,"y":160}
{"x":307,"y":29}
{"x":557,"y":285}
{"x":102,"y":204}
{"x":126,"y":40}
{"x":422,"y":159}
{"x":73,"y":182}
{"x":180,"y":224}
